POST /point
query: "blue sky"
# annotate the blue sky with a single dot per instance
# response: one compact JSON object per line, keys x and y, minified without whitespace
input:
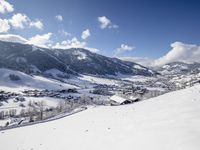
{"x":145,"y":28}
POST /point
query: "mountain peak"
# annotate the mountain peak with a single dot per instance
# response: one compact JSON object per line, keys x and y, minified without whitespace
{"x":73,"y":60}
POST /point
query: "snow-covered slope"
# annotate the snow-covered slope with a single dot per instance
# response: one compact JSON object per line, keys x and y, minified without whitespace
{"x":167,"y":122}
{"x":28,"y":82}
{"x":98,"y":80}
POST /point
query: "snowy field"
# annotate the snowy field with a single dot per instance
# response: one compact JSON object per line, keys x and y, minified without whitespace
{"x":167,"y":122}
{"x":28,"y":82}
{"x":98,"y":80}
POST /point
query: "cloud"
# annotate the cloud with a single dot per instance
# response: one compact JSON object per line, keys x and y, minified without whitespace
{"x":106,"y":23}
{"x":85,"y":34}
{"x":45,"y":42}
{"x":145,"y":61}
{"x":180,"y":52}
{"x":19,"y":20}
{"x":40,"y":40}
{"x":59,"y":18}
{"x":37,"y":24}
{"x":13,"y":38}
{"x":124,"y":48}
{"x":73,"y":43}
{"x":94,"y":50}
{"x":5,"y":7}
{"x":64,"y":33}
{"x":4,"y":26}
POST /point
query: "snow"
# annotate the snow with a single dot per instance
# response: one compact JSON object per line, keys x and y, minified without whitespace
{"x":3,"y":122}
{"x":139,"y":67}
{"x":54,"y":72}
{"x":117,"y":98}
{"x":99,"y":80}
{"x":10,"y":104}
{"x":156,"y":89}
{"x":80,"y":55}
{"x":173,"y":69}
{"x":28,"y":82}
{"x":21,"y":59}
{"x":35,"y":69}
{"x":167,"y":122}
{"x":136,"y":78}
{"x":166,"y":67}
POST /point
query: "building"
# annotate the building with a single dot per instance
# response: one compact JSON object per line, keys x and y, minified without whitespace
{"x":116,"y":100}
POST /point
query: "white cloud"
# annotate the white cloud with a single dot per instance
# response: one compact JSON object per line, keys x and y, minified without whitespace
{"x":114,"y":26}
{"x":5,"y":7}
{"x":40,"y":40}
{"x":73,"y":43}
{"x":76,"y":43}
{"x":4,"y":26}
{"x":125,"y":48}
{"x":94,"y":50}
{"x":59,"y":18}
{"x":13,"y":38}
{"x":64,"y":33}
{"x":180,"y":52}
{"x":106,"y":23}
{"x":37,"y":24}
{"x":19,"y":20}
{"x":85,"y":34}
{"x":145,"y":61}
{"x":45,"y":42}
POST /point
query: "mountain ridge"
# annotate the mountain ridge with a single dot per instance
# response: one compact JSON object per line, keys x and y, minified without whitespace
{"x":25,"y":58}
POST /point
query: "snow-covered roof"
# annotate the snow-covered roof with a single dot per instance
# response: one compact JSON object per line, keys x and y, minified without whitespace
{"x":117,"y":98}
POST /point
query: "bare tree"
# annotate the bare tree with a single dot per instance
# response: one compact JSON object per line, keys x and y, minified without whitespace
{"x":12,"y":112}
{"x":2,"y":115}
{"x":22,"y":113}
{"x":41,"y":106}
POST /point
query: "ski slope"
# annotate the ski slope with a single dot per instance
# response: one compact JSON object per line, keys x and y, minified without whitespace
{"x":167,"y":122}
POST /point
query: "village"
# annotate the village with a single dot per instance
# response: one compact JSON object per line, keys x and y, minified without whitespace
{"x":29,"y":110}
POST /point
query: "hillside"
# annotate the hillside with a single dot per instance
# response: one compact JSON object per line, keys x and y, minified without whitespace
{"x":32,"y":59}
{"x":26,"y":81}
{"x":169,"y":122}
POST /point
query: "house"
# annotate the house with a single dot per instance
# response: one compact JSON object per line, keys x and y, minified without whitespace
{"x":116,"y":100}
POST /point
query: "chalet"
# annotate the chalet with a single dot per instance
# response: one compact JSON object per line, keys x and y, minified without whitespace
{"x":116,"y":100}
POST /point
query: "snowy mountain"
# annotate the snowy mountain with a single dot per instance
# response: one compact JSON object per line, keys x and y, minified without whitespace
{"x":169,"y":122}
{"x":176,"y":68}
{"x":32,"y":59}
